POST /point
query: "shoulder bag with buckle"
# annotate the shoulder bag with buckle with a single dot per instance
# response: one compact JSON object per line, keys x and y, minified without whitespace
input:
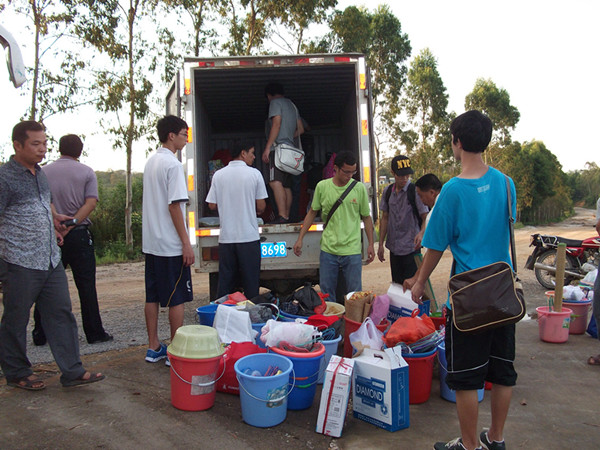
{"x":490,"y":296}
{"x":289,"y":159}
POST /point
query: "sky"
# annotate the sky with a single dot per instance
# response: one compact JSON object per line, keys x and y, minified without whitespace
{"x":545,"y":54}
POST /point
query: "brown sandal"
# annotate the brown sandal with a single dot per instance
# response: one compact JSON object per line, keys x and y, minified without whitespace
{"x":27,"y":383}
{"x":594,"y":360}
{"x":92,"y":378}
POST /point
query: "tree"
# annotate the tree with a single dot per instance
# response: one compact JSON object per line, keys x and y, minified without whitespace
{"x":298,"y":15}
{"x":495,"y":103}
{"x":425,"y":104}
{"x":542,"y":192}
{"x":247,"y":21}
{"x":379,"y":36}
{"x":172,"y":49}
{"x":113,"y":29}
{"x":53,"y":86}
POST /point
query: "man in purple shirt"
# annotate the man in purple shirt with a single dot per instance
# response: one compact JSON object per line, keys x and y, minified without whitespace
{"x":402,"y":222}
{"x":75,"y":193}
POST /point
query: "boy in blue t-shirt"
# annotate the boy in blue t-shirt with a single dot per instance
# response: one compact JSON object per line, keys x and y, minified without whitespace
{"x":470,"y":216}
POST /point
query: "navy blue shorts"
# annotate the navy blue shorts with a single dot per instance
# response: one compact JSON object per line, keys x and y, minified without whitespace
{"x":475,"y":358}
{"x":168,"y":281}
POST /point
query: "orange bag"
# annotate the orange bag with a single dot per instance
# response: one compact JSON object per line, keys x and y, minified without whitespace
{"x":409,"y":329}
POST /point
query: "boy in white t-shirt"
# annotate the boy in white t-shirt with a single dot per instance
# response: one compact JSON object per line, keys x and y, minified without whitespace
{"x":165,"y":239}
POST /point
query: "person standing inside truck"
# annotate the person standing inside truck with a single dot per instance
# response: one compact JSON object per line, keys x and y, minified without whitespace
{"x":283,"y":125}
{"x":402,"y":222}
{"x":165,"y":240}
{"x":75,"y":193}
{"x":341,"y":239}
{"x":238,"y":192}
{"x":470,"y":216}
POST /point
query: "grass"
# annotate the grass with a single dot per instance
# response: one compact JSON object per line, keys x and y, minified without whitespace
{"x":117,"y":252}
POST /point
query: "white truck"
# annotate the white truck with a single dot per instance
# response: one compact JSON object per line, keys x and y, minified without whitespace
{"x":222,"y":100}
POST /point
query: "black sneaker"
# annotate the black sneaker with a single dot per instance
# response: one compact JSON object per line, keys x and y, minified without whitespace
{"x":455,"y":444}
{"x":490,"y":445}
{"x":106,"y":338}
{"x":279,"y":220}
{"x":39,"y":338}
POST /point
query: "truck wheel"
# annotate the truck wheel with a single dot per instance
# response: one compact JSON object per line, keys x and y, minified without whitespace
{"x":547,"y":279}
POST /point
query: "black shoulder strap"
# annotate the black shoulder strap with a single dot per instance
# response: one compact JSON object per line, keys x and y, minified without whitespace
{"x":388,"y":192}
{"x":339,"y":201}
{"x":412,"y":198}
{"x":511,"y":226}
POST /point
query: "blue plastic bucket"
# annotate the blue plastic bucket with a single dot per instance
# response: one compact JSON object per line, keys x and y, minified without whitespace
{"x":264,"y":400}
{"x":206,"y":314}
{"x":331,"y":348}
{"x":287,"y":317}
{"x":445,"y":392}
{"x":304,"y":377}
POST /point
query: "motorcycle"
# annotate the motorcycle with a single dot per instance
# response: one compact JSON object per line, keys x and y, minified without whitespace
{"x":582,"y":257}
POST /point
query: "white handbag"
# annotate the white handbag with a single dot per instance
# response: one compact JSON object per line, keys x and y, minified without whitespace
{"x":289,"y":159}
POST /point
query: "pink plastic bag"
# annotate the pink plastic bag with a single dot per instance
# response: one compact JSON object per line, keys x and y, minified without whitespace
{"x":328,"y":170}
{"x":380,"y":308}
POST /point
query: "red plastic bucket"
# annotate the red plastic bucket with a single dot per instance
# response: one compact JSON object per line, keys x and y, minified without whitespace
{"x":553,"y":325}
{"x":579,"y":319}
{"x":420,"y":374}
{"x":193,"y":382}
{"x":350,"y":326}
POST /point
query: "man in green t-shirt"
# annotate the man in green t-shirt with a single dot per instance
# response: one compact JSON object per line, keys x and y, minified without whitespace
{"x":341,"y":239}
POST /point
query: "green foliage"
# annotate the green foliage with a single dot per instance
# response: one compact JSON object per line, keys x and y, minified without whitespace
{"x":542,"y":191}
{"x":108,"y":217}
{"x":379,"y":36}
{"x":494,"y":102}
{"x":585,"y":185}
{"x":425,"y":104}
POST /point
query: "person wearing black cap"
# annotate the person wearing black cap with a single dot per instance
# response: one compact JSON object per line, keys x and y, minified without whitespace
{"x":402,"y":222}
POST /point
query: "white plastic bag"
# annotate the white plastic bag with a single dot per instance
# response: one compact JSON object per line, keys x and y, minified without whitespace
{"x":294,"y":333}
{"x":590,"y":277}
{"x":367,"y":336}
{"x":573,"y":293}
{"x":233,"y":325}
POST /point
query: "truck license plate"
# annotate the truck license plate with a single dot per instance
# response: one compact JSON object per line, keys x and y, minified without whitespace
{"x":273,"y":249}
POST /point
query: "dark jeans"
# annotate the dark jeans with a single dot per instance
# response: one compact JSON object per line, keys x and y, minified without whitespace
{"x":78,"y":252}
{"x":239,"y":260}
{"x":403,"y":267}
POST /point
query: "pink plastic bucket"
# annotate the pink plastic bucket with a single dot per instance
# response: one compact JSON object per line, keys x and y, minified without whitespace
{"x":553,"y":325}
{"x":579,"y":319}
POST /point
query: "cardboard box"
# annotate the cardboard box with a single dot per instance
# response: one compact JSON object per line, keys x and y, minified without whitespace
{"x":335,"y":396}
{"x":380,"y":389}
{"x":401,"y":303}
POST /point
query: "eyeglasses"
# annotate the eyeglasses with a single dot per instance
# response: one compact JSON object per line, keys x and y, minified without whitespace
{"x":349,"y":172}
{"x":183,"y":134}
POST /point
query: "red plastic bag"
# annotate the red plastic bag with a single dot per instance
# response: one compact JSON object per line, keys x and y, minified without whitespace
{"x":409,"y":329}
{"x":228,"y":382}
